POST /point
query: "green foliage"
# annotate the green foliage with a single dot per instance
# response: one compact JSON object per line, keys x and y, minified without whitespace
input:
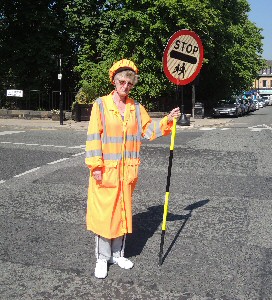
{"x":91,"y":35}
{"x":33,"y":35}
{"x":139,"y":30}
{"x":96,"y":78}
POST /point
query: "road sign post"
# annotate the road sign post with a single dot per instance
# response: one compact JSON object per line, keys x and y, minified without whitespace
{"x":60,"y":92}
{"x":182,"y":61}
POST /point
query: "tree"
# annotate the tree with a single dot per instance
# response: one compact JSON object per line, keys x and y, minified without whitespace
{"x":140,"y":30}
{"x":91,"y":35}
{"x":33,"y":35}
{"x":83,"y":23}
{"x":233,"y":51}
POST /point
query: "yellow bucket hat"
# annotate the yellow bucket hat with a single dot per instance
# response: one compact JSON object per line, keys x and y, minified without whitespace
{"x":122,"y":65}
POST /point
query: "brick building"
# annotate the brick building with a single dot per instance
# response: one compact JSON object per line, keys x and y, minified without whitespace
{"x":263,"y":83}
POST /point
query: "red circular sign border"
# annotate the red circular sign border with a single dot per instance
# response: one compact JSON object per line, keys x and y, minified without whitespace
{"x":201,"y":50}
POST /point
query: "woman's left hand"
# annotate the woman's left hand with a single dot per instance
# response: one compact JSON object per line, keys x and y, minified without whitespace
{"x":174,"y":113}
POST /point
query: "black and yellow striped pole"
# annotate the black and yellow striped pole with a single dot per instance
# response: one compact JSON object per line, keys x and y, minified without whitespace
{"x":167,"y":193}
{"x":182,"y":61}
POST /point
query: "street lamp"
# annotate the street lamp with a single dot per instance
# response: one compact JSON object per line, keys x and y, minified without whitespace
{"x":60,"y":94}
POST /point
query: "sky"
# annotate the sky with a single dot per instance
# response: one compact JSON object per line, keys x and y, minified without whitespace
{"x":261,"y":15}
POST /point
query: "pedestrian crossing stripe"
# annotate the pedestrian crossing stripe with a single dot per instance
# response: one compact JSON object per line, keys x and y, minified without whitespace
{"x":10,"y":132}
{"x":208,"y":128}
{"x":46,"y":145}
{"x":260,"y":127}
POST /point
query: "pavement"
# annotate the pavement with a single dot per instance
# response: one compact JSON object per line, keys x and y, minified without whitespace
{"x":83,"y":125}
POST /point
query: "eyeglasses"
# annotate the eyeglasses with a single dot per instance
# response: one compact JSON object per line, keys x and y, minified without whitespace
{"x":123,"y":82}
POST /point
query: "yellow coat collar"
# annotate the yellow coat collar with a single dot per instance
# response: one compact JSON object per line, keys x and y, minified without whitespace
{"x":130,"y":106}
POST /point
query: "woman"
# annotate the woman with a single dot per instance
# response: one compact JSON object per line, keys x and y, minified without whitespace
{"x":117,"y":125}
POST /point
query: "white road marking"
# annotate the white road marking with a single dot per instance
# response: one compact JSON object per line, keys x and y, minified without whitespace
{"x":10,"y":132}
{"x":50,"y":163}
{"x":57,"y":161}
{"x":207,"y":128}
{"x":256,"y":129}
{"x":27,"y":172}
{"x":32,"y":144}
{"x":225,"y":128}
{"x":260,"y":127}
{"x":77,"y":147}
{"x":77,"y":154}
{"x":46,"y":145}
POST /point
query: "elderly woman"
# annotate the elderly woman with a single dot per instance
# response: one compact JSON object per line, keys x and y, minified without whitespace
{"x":117,"y":125}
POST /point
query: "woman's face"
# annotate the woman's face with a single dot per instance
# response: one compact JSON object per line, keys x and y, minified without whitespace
{"x":123,"y":85}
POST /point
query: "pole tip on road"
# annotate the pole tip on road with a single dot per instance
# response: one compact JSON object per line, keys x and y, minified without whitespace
{"x":160,"y":260}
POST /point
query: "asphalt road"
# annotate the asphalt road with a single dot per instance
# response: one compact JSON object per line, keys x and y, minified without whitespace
{"x":219,"y":231}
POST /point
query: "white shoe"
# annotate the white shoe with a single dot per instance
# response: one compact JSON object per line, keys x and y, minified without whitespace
{"x":122,"y":262}
{"x":101,"y":269}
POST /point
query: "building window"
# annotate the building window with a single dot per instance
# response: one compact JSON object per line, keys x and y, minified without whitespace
{"x":264,"y":83}
{"x":271,"y":83}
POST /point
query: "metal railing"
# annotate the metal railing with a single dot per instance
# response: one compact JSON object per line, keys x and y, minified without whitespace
{"x":38,"y":100}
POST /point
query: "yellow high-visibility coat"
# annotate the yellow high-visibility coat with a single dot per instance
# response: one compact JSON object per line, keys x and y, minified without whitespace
{"x":114,"y":145}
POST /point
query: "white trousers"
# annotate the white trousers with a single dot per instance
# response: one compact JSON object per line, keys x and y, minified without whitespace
{"x":105,"y":248}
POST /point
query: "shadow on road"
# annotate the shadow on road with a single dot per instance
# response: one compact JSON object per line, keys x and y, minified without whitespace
{"x":145,"y":224}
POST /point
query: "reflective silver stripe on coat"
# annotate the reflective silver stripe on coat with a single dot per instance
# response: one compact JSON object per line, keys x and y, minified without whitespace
{"x":93,"y":153}
{"x":112,"y":139}
{"x":96,"y":136}
{"x":151,"y":130}
{"x":158,"y":131}
{"x":112,"y":156}
{"x":93,"y":137}
{"x":139,"y":119}
{"x":101,"y":107}
{"x":118,"y":156}
{"x":119,"y":139}
{"x":131,"y":154}
{"x":133,"y":138}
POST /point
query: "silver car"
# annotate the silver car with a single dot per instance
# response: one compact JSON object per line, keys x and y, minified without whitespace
{"x":266,"y":100}
{"x":228,"y":107}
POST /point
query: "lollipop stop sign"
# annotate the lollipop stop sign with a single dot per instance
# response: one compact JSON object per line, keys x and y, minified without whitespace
{"x":183,"y":57}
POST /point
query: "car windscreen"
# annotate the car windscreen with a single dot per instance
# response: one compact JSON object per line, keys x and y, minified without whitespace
{"x":228,"y":101}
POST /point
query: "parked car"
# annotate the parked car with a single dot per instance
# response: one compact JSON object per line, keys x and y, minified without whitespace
{"x":247,"y":105}
{"x":229,"y":107}
{"x":266,"y":100}
{"x":261,"y":104}
{"x":264,"y":103}
{"x":243,"y":107}
{"x":256,"y":102}
{"x":251,"y":104}
{"x":244,"y":103}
